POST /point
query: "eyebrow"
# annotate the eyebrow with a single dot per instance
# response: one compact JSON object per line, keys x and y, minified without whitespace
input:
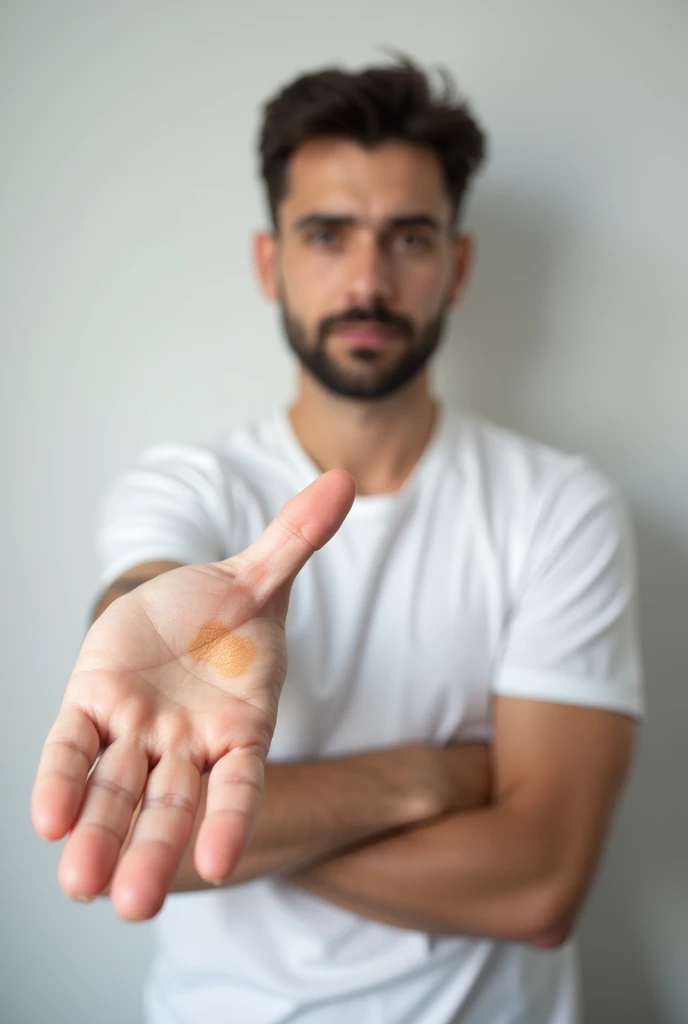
{"x":402,"y":220}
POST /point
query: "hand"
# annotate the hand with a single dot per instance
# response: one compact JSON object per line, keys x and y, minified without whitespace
{"x":464,"y":778}
{"x":179,"y":677}
{"x":425,"y":781}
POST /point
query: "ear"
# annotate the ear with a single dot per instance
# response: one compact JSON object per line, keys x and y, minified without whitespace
{"x":265,"y":263}
{"x":464,"y":260}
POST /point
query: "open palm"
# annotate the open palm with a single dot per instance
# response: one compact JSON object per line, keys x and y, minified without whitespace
{"x":179,"y":677}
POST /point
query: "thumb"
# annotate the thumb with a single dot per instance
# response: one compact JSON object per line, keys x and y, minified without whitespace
{"x":303,"y":525}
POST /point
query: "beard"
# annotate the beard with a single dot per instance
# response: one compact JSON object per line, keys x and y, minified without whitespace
{"x":419,"y":345}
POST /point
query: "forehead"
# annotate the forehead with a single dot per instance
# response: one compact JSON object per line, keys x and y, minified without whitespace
{"x":340,"y":176}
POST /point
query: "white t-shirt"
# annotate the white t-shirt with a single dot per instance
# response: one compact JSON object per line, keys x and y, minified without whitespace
{"x":502,"y":566}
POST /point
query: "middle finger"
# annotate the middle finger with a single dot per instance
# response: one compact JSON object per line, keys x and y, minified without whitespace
{"x":159,"y":838}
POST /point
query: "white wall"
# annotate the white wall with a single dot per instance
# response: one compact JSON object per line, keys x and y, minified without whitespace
{"x":128,"y":315}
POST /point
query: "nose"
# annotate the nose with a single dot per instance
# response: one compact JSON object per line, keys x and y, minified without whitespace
{"x":370,"y":274}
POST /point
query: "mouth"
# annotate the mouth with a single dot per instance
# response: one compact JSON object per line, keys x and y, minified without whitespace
{"x":365,"y":335}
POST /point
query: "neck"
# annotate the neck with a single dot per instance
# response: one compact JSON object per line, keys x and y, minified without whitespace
{"x":378,"y":441}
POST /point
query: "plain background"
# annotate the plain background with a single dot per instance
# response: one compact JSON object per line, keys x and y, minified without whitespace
{"x":129,"y":315}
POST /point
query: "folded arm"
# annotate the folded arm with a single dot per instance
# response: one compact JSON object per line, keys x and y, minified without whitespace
{"x":314,"y":809}
{"x":516,"y":870}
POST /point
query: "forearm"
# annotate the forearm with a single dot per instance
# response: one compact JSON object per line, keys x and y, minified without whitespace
{"x":518,"y":869}
{"x":315,"y":809}
{"x":482,"y":873}
{"x":312,"y":809}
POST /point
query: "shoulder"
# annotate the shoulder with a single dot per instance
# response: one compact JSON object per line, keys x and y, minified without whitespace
{"x":527,"y":500}
{"x":521,"y":475}
{"x":222,"y":465}
{"x":185,"y":502}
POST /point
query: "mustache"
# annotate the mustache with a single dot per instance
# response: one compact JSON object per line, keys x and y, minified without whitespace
{"x":377,"y":314}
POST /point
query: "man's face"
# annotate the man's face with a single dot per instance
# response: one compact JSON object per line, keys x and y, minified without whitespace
{"x":364,"y":264}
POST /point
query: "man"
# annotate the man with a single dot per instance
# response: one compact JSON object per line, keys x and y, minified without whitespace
{"x":459,"y":709}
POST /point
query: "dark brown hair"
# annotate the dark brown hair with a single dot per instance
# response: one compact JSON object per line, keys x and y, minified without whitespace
{"x":395,"y":101}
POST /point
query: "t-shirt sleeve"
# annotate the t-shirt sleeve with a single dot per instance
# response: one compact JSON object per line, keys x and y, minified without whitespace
{"x":572,"y":633}
{"x":172,"y":506}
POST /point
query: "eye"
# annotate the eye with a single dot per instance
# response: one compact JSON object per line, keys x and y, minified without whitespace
{"x":323,"y":238}
{"x":413,"y":241}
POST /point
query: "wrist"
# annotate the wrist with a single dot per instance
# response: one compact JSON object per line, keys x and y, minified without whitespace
{"x":420,"y":781}
{"x":468,"y":775}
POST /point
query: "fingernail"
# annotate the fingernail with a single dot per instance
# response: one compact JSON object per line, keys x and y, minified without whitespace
{"x":82,"y":899}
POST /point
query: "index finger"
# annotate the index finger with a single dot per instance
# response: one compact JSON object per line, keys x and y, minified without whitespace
{"x":68,"y":755}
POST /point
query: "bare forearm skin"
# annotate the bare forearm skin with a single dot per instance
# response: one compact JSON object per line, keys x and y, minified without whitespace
{"x":318,"y":809}
{"x":517,"y":870}
{"x":477,"y":873}
{"x":310,"y":810}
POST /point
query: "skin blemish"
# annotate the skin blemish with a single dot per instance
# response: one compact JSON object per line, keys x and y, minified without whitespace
{"x":230,"y":654}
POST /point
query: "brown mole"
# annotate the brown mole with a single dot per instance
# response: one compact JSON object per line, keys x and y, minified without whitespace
{"x":225,"y":651}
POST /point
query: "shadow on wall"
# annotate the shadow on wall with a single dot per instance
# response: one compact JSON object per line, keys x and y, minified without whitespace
{"x":634,"y":931}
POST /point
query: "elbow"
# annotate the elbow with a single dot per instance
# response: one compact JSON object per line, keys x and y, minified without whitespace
{"x":552,"y":900}
{"x":553,"y":918}
{"x":552,"y":937}
{"x":535,"y":916}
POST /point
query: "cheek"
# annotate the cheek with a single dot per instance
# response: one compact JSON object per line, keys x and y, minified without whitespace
{"x":313,"y":287}
{"x":423,"y":287}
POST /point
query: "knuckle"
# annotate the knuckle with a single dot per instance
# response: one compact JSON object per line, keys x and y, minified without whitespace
{"x":241,"y":780}
{"x":168,"y":801}
{"x":70,"y":744}
{"x":293,"y":529}
{"x":115,"y":789}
